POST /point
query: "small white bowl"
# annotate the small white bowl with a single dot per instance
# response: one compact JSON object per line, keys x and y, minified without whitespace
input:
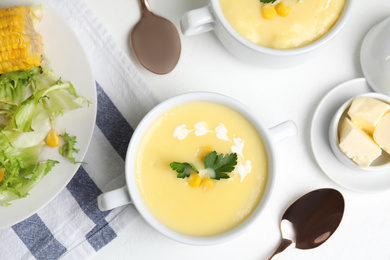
{"x":381,"y":163}
{"x":211,"y":17}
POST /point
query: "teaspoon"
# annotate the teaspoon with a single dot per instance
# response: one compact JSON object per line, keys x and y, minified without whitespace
{"x":155,"y":41}
{"x":310,"y":220}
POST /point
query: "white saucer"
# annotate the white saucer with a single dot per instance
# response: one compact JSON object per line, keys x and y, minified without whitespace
{"x":354,"y":180}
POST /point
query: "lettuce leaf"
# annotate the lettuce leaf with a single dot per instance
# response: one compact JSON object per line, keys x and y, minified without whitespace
{"x":22,"y":172}
{"x":14,"y":85}
{"x":24,"y":114}
{"x":61,"y":100}
{"x":17,"y":183}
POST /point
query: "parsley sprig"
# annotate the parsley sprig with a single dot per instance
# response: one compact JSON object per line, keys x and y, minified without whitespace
{"x":268,"y":1}
{"x":183,"y":169}
{"x":220,"y":164}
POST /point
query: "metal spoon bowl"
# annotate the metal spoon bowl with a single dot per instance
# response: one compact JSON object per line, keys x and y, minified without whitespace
{"x":155,"y":41}
{"x":310,"y":220}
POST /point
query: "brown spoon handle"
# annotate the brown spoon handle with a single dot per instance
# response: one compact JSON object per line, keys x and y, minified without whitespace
{"x":284,"y":244}
{"x":145,"y":6}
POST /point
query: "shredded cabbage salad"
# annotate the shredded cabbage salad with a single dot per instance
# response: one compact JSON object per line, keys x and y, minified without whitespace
{"x":30,"y":101}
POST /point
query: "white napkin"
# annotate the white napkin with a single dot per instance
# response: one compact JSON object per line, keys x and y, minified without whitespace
{"x":71,"y":226}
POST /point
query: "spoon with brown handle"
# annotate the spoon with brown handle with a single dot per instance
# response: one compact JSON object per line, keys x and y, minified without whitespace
{"x":310,"y":220}
{"x":155,"y":41}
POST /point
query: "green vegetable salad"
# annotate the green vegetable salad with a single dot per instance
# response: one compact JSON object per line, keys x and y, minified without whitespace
{"x":30,"y":101}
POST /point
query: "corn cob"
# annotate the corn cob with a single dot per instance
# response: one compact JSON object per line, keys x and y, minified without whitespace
{"x":20,"y":44}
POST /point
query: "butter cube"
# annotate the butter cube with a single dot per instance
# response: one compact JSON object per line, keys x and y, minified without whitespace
{"x":366,"y":112}
{"x":382,"y":133}
{"x":357,"y":144}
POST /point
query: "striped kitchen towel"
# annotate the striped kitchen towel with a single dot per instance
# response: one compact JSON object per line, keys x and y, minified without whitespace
{"x":71,"y":226}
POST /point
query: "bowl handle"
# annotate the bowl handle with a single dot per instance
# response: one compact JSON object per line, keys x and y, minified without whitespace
{"x":283,"y":131}
{"x":197,"y":21}
{"x":113,"y":199}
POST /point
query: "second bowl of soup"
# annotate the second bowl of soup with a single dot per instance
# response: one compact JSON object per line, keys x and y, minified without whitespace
{"x":275,"y":35}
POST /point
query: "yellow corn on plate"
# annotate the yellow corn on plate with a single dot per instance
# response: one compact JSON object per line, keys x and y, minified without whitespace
{"x":20,"y":44}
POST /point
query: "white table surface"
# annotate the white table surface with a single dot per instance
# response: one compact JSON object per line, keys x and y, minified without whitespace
{"x":276,"y":96}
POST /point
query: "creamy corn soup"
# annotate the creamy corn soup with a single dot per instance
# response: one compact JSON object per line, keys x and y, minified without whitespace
{"x":183,"y":134}
{"x":284,"y":24}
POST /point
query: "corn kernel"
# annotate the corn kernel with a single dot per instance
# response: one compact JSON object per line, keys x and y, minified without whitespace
{"x":268,"y":11}
{"x":206,"y":183}
{"x":282,"y":10}
{"x":2,"y":171}
{"x":53,"y":139}
{"x":194,"y":180}
{"x":203,"y":151}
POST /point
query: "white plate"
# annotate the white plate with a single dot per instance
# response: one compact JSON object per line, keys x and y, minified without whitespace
{"x":354,"y":180}
{"x":69,"y":61}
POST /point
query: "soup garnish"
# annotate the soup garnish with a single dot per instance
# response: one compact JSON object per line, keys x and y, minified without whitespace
{"x":215,"y":167}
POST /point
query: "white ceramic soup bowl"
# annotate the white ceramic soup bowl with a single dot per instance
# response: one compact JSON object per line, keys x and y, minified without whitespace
{"x":211,"y":17}
{"x":131,"y":194}
{"x":382,"y":163}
